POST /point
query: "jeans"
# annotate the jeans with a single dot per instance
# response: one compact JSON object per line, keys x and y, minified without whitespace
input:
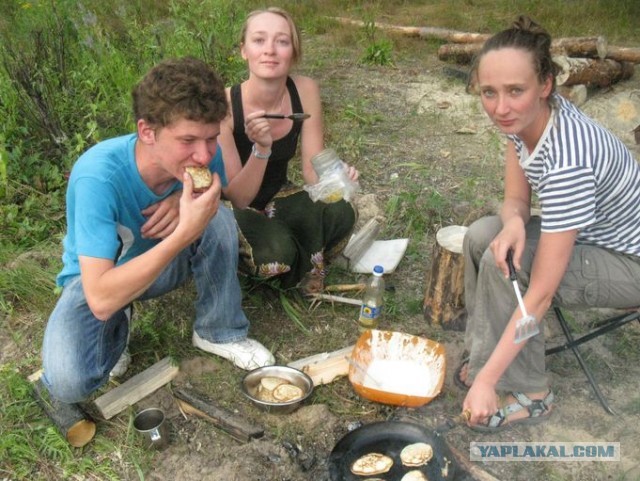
{"x":80,"y":350}
{"x":595,"y":277}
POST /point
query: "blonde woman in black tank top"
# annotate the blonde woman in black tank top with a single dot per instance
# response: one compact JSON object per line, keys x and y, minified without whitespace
{"x":282,"y":232}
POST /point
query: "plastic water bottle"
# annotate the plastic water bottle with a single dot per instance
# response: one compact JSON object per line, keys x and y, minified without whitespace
{"x":371,"y":308}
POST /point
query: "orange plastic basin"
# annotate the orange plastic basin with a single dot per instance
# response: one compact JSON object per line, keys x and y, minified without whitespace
{"x":396,"y":368}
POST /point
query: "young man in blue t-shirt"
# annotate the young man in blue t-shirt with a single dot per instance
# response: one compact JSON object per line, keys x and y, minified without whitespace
{"x":136,"y":230}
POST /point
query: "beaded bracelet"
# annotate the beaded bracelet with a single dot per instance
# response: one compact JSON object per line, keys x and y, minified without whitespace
{"x":257,"y":154}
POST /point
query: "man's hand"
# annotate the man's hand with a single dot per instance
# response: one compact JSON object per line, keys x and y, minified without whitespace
{"x":162,"y":217}
{"x":197,"y":209}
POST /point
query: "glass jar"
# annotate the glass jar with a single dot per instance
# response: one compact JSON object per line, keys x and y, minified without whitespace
{"x":325,"y":162}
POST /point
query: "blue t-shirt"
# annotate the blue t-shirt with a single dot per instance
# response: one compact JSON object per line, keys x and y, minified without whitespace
{"x":105,"y":199}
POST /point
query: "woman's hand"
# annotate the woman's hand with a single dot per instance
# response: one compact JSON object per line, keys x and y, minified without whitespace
{"x":512,"y":236}
{"x":258,"y":129}
{"x":481,"y":401}
{"x":162,"y":217}
{"x":352,"y":172}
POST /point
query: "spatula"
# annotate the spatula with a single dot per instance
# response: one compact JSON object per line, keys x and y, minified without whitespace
{"x":526,"y":326}
{"x":294,"y":116}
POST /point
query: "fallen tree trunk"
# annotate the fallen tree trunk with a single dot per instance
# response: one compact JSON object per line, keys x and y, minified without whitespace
{"x":591,"y":72}
{"x":570,"y":47}
{"x":422,"y":32}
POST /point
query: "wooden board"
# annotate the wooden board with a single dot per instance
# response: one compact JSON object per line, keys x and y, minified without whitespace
{"x":136,"y":388}
{"x":323,"y":368}
{"x":192,"y":402}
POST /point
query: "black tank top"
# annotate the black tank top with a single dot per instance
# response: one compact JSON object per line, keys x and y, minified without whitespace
{"x":282,"y":150}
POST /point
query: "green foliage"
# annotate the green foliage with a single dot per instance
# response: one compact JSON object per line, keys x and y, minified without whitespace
{"x":378,"y":51}
{"x":66,"y":72}
{"x":27,"y":280}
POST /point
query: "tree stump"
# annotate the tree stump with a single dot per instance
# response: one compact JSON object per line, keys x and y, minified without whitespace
{"x":444,"y":292}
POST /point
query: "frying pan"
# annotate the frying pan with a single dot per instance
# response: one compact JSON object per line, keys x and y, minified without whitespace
{"x":389,"y":437}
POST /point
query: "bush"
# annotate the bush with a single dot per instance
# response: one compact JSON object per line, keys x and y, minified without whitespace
{"x":67,"y":69}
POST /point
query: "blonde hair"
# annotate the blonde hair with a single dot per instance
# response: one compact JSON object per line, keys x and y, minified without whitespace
{"x":295,"y":32}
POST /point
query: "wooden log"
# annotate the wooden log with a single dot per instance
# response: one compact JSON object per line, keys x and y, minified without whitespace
{"x":192,"y":402}
{"x":70,"y":419}
{"x":624,"y":54}
{"x":595,"y":47}
{"x":444,"y":293}
{"x":591,"y":72}
{"x":323,"y":368}
{"x":422,"y":32}
{"x":136,"y":388}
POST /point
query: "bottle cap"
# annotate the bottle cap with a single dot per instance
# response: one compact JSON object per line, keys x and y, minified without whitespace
{"x":379,"y":270}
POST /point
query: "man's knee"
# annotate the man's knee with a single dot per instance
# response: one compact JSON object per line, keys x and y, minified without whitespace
{"x":66,"y":386}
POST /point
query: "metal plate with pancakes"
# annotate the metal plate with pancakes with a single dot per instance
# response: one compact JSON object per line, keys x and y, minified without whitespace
{"x":390,"y":437}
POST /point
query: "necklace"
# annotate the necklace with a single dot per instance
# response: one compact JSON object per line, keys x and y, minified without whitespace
{"x":280,"y":108}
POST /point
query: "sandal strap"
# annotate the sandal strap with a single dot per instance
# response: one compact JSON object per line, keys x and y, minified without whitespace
{"x":536,"y":407}
{"x":497,"y":419}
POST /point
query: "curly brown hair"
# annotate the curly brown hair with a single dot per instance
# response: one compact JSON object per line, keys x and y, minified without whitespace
{"x":182,"y":88}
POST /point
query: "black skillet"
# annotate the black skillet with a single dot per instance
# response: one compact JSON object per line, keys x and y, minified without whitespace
{"x":389,"y":437}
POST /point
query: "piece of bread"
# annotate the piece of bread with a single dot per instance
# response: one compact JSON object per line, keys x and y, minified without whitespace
{"x":201,"y":176}
{"x":416,"y":454}
{"x":287,"y":393}
{"x":371,"y":464}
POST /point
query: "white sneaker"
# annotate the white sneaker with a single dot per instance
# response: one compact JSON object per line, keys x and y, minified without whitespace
{"x":125,"y":358}
{"x":122,"y":365}
{"x":247,"y":354}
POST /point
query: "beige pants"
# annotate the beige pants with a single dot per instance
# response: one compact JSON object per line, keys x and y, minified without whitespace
{"x":595,"y":277}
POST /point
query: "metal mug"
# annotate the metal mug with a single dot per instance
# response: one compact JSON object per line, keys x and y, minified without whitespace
{"x":151,"y":425}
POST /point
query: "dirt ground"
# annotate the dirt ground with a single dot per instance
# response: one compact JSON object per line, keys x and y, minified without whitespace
{"x":425,"y":117}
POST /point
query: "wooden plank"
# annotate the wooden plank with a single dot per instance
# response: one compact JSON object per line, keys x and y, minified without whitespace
{"x":323,"y":368}
{"x":136,"y":388}
{"x":192,"y":402}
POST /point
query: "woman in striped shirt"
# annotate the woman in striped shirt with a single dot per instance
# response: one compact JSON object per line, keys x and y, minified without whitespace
{"x":582,"y":251}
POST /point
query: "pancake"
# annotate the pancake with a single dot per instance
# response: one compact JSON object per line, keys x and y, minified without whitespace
{"x":371,"y":464}
{"x":414,"y":475}
{"x":416,"y":454}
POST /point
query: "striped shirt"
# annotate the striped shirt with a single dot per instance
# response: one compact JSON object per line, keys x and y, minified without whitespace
{"x":586,"y":179}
